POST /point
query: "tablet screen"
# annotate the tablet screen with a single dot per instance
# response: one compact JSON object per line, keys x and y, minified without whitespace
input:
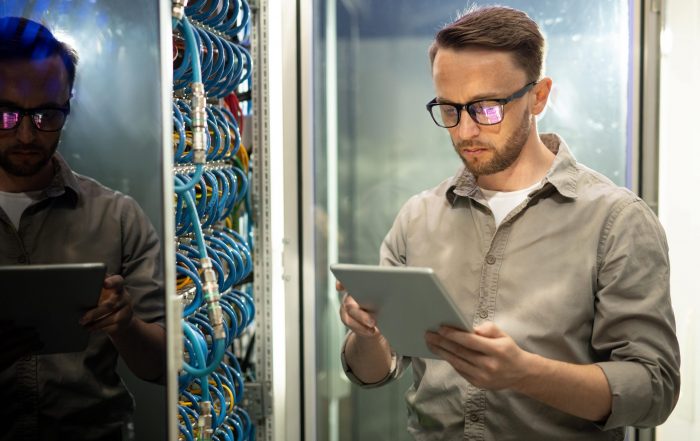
{"x":407,"y":301}
{"x":51,"y":299}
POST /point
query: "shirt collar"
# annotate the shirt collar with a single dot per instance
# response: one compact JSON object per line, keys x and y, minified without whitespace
{"x":561,"y":175}
{"x":64,"y":181}
{"x":564,"y":170}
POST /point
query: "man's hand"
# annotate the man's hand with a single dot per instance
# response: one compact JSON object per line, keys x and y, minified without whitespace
{"x":140,"y":344}
{"x":113,"y":312}
{"x":488,"y":358}
{"x":367,"y":352}
{"x":361,"y":322}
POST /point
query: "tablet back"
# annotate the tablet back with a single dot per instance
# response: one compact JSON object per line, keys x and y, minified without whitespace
{"x":407,"y":301}
{"x":52,"y":299}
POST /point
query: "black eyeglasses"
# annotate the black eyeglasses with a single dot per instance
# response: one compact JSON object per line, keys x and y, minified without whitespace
{"x":485,"y":112}
{"x":50,"y":119}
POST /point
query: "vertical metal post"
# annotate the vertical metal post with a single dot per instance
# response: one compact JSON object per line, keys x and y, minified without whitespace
{"x":275,"y":193}
{"x":650,"y":71}
{"x":173,"y":310}
{"x":307,"y":212}
{"x":260,"y":193}
{"x":648,"y":179}
{"x":289,"y":120}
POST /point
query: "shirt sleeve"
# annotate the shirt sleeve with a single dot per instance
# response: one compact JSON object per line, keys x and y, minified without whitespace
{"x":634,"y":325}
{"x":398,"y":366}
{"x":142,"y":267}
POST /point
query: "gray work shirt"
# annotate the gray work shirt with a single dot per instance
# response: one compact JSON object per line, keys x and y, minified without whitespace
{"x":79,"y":395}
{"x":578,"y":272}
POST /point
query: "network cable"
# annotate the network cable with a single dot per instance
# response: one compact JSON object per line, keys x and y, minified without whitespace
{"x":212,"y":215}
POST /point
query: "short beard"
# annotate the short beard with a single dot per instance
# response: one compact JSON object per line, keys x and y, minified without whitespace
{"x":28,"y":169}
{"x":503,"y":158}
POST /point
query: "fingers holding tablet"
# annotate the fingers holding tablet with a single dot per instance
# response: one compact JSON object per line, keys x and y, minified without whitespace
{"x":360,"y":321}
{"x":114,"y":310}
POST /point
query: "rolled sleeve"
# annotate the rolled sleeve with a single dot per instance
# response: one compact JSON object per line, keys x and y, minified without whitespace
{"x":634,"y":325}
{"x":398,"y":365}
{"x":630,"y":387}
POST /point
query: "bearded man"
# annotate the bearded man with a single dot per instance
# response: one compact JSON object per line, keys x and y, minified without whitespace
{"x":567,"y":274}
{"x":50,"y":214}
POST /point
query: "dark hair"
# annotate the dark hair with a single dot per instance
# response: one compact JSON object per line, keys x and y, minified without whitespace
{"x":497,"y":28}
{"x":24,"y":39}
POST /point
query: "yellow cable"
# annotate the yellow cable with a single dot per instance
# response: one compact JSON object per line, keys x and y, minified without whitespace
{"x":243,"y":156}
{"x":186,"y":281}
{"x":230,"y":394}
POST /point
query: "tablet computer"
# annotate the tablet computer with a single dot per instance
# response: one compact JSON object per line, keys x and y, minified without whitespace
{"x":407,"y":302}
{"x":51,"y":299}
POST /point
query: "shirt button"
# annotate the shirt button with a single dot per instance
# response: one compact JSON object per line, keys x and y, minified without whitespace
{"x":474,"y":417}
{"x":490,"y":259}
{"x":483,"y":314}
{"x":22,"y":259}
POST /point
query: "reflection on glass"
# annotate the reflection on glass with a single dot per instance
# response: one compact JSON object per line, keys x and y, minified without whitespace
{"x":372,"y":80}
{"x":113,"y":135}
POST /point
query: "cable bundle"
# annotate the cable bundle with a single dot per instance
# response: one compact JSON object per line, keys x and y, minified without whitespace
{"x":223,"y":64}
{"x":212,"y":217}
{"x":228,"y":17}
{"x":223,"y":138}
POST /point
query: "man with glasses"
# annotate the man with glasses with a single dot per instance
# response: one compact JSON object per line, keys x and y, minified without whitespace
{"x":49,"y":214}
{"x":565,"y":274}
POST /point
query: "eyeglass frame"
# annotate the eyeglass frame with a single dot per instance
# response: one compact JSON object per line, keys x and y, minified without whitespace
{"x":459,"y":107}
{"x":33,"y":112}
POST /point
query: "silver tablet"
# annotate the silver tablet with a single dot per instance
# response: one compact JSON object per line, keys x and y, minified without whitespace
{"x":407,"y":301}
{"x":51,"y":299}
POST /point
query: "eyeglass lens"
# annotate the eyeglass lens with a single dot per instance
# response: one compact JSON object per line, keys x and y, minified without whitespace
{"x":9,"y":119}
{"x":486,"y":112}
{"x":43,"y":119}
{"x":483,"y":112}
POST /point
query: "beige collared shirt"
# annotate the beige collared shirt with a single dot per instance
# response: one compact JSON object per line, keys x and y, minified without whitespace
{"x":78,"y":395}
{"x":578,"y":272}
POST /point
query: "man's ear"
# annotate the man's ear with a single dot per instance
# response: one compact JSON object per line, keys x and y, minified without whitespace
{"x":540,"y":95}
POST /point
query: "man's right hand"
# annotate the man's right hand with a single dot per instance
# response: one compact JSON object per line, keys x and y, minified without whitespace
{"x":16,"y":342}
{"x":354,"y":317}
{"x":367,"y":352}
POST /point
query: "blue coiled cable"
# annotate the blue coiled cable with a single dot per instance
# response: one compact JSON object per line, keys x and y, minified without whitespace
{"x":187,"y":429}
{"x":245,"y":10}
{"x":191,"y":43}
{"x":205,"y":198}
{"x":228,"y":26}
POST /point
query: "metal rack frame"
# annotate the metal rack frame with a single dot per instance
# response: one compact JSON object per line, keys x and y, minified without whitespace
{"x":277,"y":282}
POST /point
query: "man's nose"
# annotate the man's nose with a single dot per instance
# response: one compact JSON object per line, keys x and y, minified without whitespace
{"x":467,"y":127}
{"x":25,"y":131}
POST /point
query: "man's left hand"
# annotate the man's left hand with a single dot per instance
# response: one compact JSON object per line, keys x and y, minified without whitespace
{"x":113,"y":312}
{"x":488,"y":357}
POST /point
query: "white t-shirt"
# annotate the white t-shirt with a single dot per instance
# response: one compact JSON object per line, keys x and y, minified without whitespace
{"x":503,"y":202}
{"x":14,"y":204}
